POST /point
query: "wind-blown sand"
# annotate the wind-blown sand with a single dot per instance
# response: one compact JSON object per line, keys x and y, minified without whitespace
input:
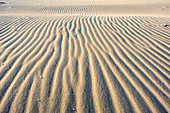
{"x":82,"y":59}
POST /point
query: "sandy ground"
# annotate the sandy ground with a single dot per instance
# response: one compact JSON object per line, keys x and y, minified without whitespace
{"x":84,"y":58}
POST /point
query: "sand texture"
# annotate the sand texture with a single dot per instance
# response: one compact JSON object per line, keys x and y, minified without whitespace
{"x":83,"y":63}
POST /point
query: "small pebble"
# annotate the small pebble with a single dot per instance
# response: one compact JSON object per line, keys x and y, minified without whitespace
{"x":74,"y":109}
{"x":165,"y":25}
{"x":39,"y":100}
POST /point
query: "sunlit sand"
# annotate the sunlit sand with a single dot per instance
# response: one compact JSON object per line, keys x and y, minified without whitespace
{"x":84,"y":57}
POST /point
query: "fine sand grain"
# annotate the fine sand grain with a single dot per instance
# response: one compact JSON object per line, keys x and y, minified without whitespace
{"x":80,"y":59}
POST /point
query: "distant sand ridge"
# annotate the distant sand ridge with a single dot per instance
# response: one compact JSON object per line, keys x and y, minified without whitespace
{"x":84,"y":58}
{"x":109,"y":9}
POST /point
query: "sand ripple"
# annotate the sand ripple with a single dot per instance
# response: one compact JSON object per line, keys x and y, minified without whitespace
{"x":84,"y":64}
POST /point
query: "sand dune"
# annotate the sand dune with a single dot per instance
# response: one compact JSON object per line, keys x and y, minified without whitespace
{"x":86,"y":58}
{"x":84,"y":64}
{"x":87,"y":9}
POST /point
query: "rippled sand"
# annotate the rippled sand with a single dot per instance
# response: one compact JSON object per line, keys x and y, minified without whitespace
{"x":83,"y":59}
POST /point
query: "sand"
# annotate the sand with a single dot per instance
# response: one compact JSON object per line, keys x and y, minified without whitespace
{"x":84,"y":58}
